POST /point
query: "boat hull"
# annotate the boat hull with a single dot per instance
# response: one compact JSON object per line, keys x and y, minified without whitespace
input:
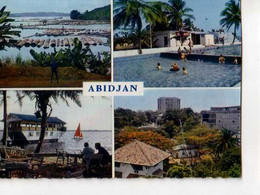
{"x":32,"y":137}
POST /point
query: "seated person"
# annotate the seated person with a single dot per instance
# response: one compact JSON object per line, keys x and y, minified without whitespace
{"x":86,"y":154}
{"x":159,"y":67}
{"x":235,"y":61}
{"x":184,"y":71}
{"x":104,"y":152}
{"x":221,"y":60}
{"x":175,"y":67}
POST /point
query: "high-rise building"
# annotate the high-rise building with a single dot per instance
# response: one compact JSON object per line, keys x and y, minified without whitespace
{"x":223,"y":117}
{"x":168,"y":103}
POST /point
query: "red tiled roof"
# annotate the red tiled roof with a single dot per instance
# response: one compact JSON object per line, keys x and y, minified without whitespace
{"x":139,"y":153}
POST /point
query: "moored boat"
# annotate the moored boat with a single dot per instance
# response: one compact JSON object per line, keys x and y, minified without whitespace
{"x":25,"y":129}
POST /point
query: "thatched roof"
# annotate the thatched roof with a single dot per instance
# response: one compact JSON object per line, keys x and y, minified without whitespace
{"x":139,"y":153}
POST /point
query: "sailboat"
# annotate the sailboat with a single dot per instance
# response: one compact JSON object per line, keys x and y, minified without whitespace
{"x":78,"y":134}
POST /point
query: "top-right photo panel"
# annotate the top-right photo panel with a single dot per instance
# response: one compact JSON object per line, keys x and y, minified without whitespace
{"x":178,"y":43}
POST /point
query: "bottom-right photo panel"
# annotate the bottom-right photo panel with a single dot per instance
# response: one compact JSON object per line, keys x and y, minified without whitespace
{"x":178,"y":133}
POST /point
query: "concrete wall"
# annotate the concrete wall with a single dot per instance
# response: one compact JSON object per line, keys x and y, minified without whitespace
{"x":125,"y":53}
{"x":230,"y":121}
{"x":126,"y":169}
{"x":135,"y":52}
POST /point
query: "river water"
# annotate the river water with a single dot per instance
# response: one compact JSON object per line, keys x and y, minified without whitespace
{"x":24,"y":51}
{"x":67,"y":143}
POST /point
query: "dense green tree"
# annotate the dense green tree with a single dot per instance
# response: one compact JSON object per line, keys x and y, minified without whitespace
{"x":231,"y":16}
{"x":231,"y":157}
{"x":6,"y":32}
{"x":132,"y":13}
{"x":179,"y":171}
{"x":75,"y":14}
{"x":177,"y":11}
{"x":225,"y":140}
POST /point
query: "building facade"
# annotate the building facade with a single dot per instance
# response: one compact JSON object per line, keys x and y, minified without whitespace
{"x":138,"y":159}
{"x":168,"y":39}
{"x":223,"y":117}
{"x":168,"y":103}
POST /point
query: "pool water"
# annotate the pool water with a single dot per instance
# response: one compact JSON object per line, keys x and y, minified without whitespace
{"x":200,"y":74}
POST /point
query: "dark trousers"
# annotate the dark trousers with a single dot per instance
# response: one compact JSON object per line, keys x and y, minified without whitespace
{"x":56,"y":74}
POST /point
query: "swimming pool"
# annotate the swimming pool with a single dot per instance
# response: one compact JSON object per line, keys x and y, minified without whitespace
{"x":200,"y":74}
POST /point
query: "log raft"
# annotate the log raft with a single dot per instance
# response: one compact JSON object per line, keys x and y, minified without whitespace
{"x":67,"y":42}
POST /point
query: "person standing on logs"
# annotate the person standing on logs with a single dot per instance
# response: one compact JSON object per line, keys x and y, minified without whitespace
{"x":54,"y":69}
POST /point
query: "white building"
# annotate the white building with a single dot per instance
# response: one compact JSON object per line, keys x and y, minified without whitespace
{"x":223,"y":117}
{"x":138,"y":159}
{"x":185,"y":151}
{"x":168,"y":103}
{"x":167,"y":38}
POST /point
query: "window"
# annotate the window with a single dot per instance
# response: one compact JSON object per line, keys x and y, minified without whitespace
{"x":117,"y":164}
{"x":137,"y":167}
{"x":51,"y":133}
{"x":37,"y":133}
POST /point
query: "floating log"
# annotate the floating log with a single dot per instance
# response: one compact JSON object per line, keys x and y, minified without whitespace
{"x":46,"y":44}
{"x":21,"y":43}
{"x":83,"y":40}
{"x":71,"y":41}
{"x":35,"y":42}
{"x":61,"y":43}
{"x":53,"y":43}
{"x":66,"y":42}
{"x":41,"y":43}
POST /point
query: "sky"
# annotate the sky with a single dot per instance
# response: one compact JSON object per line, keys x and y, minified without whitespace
{"x":197,"y":99}
{"x":65,"y":6}
{"x":95,"y":113}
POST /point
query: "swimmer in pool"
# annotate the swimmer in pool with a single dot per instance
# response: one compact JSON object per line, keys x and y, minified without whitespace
{"x":184,"y":71}
{"x":183,"y":57}
{"x":221,"y":60}
{"x":159,"y":67}
{"x":175,"y":67}
{"x":235,"y":61}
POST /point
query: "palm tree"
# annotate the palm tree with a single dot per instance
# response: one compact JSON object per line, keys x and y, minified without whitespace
{"x":132,"y":12}
{"x":225,"y":141}
{"x":4,"y":103}
{"x":231,"y":17}
{"x":43,"y":101}
{"x":177,"y":11}
{"x":5,"y":29}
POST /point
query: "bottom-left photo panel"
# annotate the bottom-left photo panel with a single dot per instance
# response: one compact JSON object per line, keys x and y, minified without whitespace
{"x":55,"y":134}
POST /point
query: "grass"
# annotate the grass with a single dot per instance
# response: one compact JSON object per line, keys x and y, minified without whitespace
{"x":32,"y":76}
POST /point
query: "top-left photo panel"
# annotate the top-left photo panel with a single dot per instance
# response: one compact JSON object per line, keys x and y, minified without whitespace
{"x":54,"y":43}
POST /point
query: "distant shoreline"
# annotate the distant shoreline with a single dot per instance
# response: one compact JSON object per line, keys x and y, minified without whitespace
{"x":40,"y":14}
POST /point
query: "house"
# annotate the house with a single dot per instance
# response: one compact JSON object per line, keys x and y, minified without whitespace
{"x":138,"y":159}
{"x":168,"y":38}
{"x":185,"y":151}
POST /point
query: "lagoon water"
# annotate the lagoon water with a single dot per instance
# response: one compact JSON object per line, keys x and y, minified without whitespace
{"x":70,"y":145}
{"x":24,"y":51}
